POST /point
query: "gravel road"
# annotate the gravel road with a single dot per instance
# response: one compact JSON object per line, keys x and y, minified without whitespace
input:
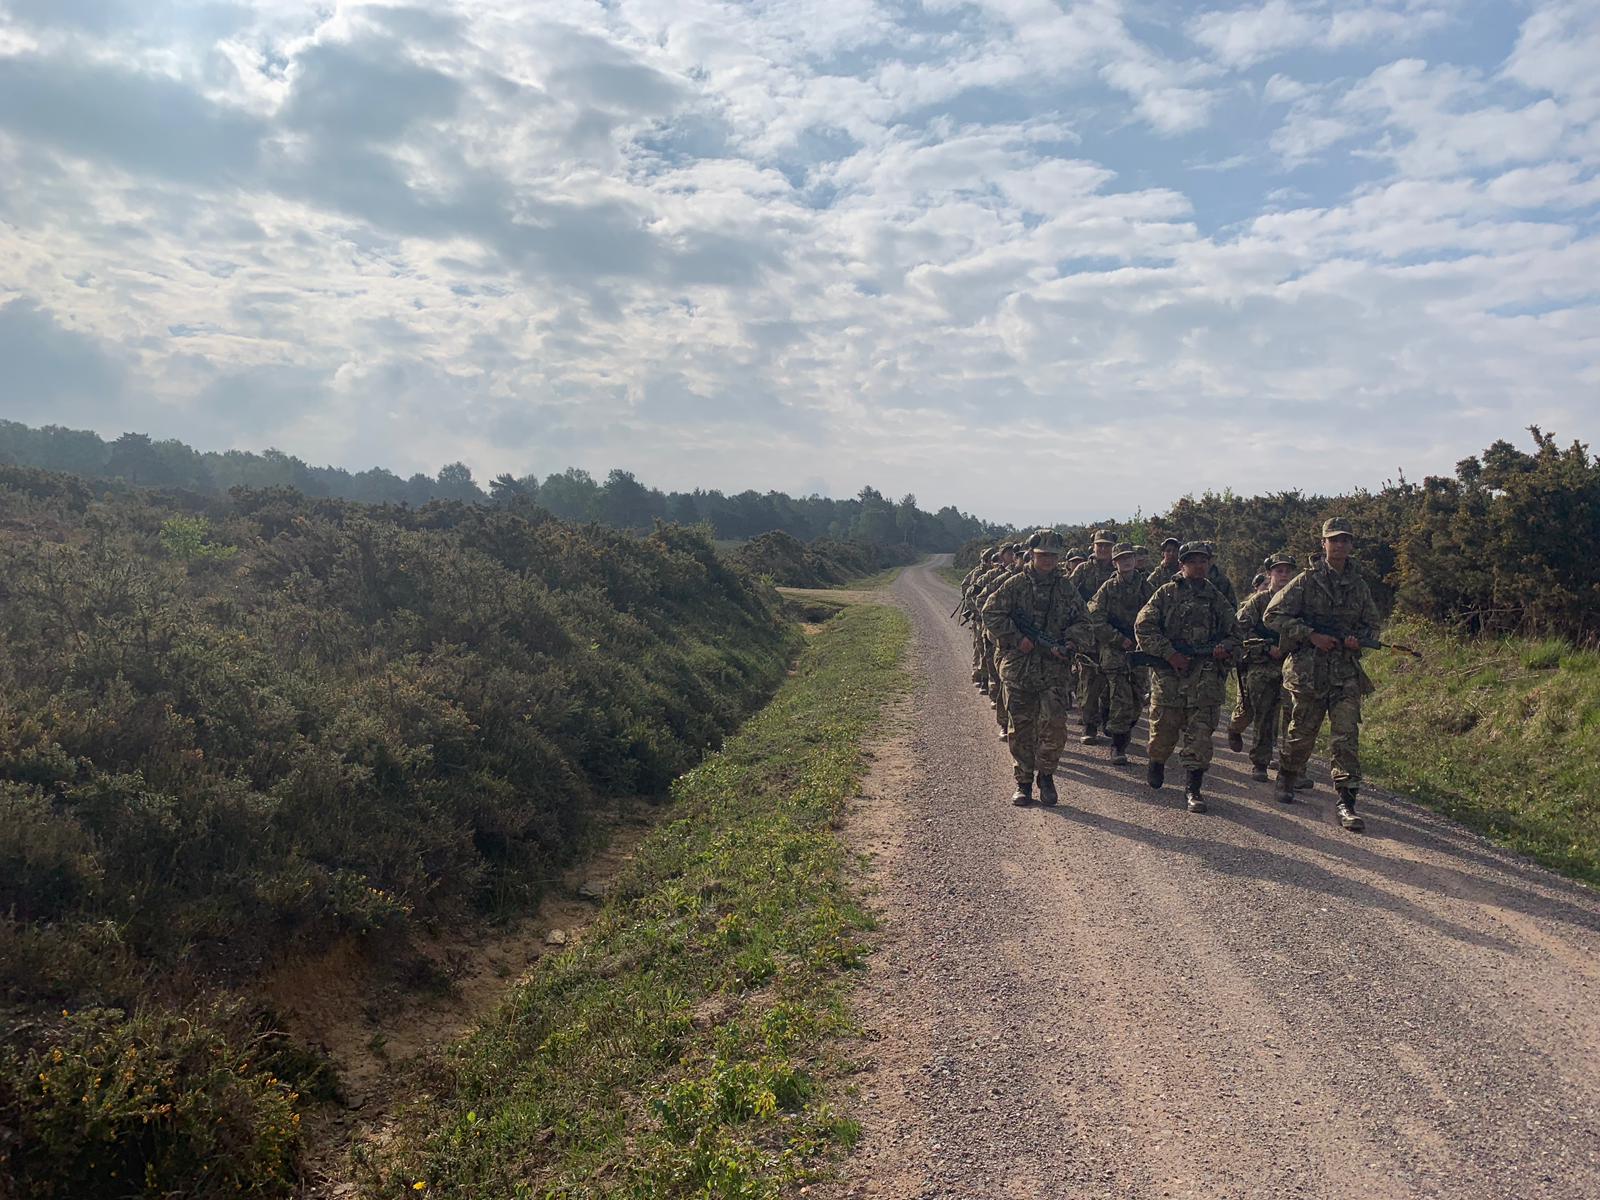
{"x":1119,"y":998}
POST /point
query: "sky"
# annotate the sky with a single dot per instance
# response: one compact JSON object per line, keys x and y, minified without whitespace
{"x":1040,"y":260}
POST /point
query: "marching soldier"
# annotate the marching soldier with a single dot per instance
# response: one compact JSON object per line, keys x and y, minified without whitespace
{"x":969,"y":612}
{"x":1035,"y":673}
{"x":1087,"y":578}
{"x":1322,"y":618}
{"x":1189,"y":624}
{"x":1168,"y":566}
{"x":1260,"y":672}
{"x":1115,"y":607}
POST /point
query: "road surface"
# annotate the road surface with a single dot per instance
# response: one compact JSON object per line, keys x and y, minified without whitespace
{"x":1119,"y":998}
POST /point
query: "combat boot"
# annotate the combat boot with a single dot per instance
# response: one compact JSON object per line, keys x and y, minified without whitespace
{"x":1347,"y":811}
{"x":1304,"y":782}
{"x":1284,"y":792}
{"x":1236,"y":742}
{"x":1155,"y":773}
{"x":1023,"y":796}
{"x":1191,"y":791}
{"x":1119,"y":749}
{"x":1091,"y":735}
{"x":1047,"y":790}
{"x":1259,"y":773}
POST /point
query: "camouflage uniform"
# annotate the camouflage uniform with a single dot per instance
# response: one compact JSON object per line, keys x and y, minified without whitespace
{"x":1324,"y":684}
{"x":1092,"y":692}
{"x":1184,"y":706}
{"x":1260,"y":681}
{"x":1036,"y":683}
{"x":981,"y":592}
{"x":969,"y":613}
{"x":1115,"y":607}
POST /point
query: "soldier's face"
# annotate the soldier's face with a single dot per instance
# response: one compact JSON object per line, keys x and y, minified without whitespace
{"x":1007,"y":559}
{"x":1337,"y":549}
{"x":1044,"y":562}
{"x":1102,"y":551}
{"x":1277,"y":577}
{"x":1196,"y":567}
{"x":1126,"y":565}
{"x":1169,"y":556}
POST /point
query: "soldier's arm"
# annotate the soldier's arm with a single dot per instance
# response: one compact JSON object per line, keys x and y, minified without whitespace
{"x":1148,"y":634}
{"x":1101,"y":632}
{"x":1283,"y":615}
{"x":1079,"y":626}
{"x":997,"y":619}
{"x":1227,"y":623}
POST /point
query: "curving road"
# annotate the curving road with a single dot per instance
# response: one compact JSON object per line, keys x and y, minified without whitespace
{"x":1118,"y":998}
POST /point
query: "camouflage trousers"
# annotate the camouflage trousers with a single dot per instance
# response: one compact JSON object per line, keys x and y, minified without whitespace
{"x":1260,"y":708}
{"x":978,"y":675}
{"x":1343,"y":713}
{"x":1093,"y":694}
{"x":1122,"y":700}
{"x":1190,"y":724}
{"x":1038,"y":730}
{"x":997,"y":687}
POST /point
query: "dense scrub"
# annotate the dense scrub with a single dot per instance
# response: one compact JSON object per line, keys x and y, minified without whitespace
{"x":792,"y":563}
{"x":232,"y":727}
{"x":1505,"y":545}
{"x":619,"y":501}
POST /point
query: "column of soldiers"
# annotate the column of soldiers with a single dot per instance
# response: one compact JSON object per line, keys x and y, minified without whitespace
{"x":1049,"y":621}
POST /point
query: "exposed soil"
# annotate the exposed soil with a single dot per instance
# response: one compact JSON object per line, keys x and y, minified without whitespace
{"x":375,"y":1022}
{"x":1119,"y":998}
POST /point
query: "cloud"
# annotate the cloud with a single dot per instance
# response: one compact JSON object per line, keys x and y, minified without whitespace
{"x":755,"y":244}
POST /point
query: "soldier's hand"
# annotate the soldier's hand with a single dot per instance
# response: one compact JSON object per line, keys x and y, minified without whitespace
{"x":1221,"y":653}
{"x":1178,"y":662}
{"x":1352,"y":643}
{"x":1127,"y":643}
{"x":1323,"y":642}
{"x":1026,"y":645}
{"x":1275,"y":653}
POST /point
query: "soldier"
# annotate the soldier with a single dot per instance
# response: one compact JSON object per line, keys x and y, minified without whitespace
{"x":1168,"y":566}
{"x":1087,"y":578}
{"x":1115,"y":607}
{"x":1036,"y":677}
{"x":1075,"y":556}
{"x":1006,"y":566}
{"x":1219,"y":580}
{"x":1260,"y":673}
{"x":1259,"y":583}
{"x":969,"y":613}
{"x":1322,"y":618}
{"x":1189,"y":624}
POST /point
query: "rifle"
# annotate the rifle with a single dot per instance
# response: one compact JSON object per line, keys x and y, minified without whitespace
{"x":1370,"y":643}
{"x":1041,"y":639}
{"x":1142,"y":658}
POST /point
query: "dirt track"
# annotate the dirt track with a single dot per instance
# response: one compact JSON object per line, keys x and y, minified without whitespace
{"x":1118,"y":998}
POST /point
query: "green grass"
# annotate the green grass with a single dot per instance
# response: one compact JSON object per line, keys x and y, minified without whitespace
{"x":952,"y":575}
{"x":683,"y":1049}
{"x":1502,"y":735}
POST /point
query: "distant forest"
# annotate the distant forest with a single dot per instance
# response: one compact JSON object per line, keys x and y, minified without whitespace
{"x":620,"y":501}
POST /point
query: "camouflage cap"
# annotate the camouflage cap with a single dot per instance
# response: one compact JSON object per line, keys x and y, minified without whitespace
{"x":988,"y":556}
{"x":1076,"y":552}
{"x":1194,"y":550}
{"x":1335,"y":526}
{"x":1258,"y":580}
{"x":1048,"y":541}
{"x":1123,"y":549}
{"x":1102,"y":536}
{"x":1313,"y":559}
{"x":1281,"y":559}
{"x":1171,"y":541}
{"x":1140,"y":549}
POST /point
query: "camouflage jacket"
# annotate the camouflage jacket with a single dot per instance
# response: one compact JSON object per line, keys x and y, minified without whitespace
{"x":1322,"y":600}
{"x":1162,"y":574}
{"x":1185,"y":616}
{"x":1255,"y":638}
{"x":1223,"y":584}
{"x":1052,"y":604}
{"x":1088,"y":576}
{"x":1115,"y":608}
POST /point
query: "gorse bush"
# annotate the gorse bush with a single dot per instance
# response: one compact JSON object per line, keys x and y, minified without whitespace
{"x":232,"y":728}
{"x":792,"y":563}
{"x":1505,"y":546}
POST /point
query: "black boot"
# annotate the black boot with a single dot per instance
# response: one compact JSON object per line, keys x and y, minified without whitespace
{"x":1235,"y":741}
{"x":1119,"y":749}
{"x":1047,"y":790}
{"x":1155,"y":773}
{"x":1259,"y":772}
{"x":1023,"y":796}
{"x":1191,"y":791}
{"x":1283,"y":793}
{"x":1091,"y":735}
{"x":1347,"y":811}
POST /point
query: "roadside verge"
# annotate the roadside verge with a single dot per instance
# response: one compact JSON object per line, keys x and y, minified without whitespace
{"x":687,"y":1045}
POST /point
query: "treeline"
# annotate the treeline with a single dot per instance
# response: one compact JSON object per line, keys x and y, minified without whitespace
{"x":620,"y":501}
{"x":822,"y":563}
{"x":1508,"y":544}
{"x":235,"y":728}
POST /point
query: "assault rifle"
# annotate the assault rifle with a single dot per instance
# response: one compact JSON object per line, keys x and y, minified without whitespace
{"x":1039,"y":638}
{"x":1142,"y":658}
{"x":1370,"y":643}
